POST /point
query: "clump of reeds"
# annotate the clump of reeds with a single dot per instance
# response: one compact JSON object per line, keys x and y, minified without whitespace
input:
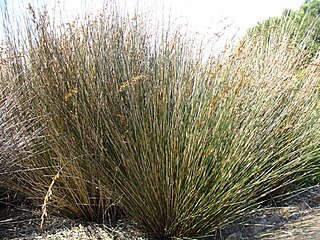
{"x":18,"y":130}
{"x":63,"y":89}
{"x":186,"y":144}
{"x":211,"y":139}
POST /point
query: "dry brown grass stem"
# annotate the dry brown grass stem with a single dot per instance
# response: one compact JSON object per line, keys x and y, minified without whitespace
{"x":46,"y":200}
{"x":132,"y":81}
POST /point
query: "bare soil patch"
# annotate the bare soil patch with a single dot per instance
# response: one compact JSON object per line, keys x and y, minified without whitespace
{"x":297,"y":217}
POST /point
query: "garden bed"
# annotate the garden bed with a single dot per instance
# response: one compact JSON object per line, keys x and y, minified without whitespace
{"x":297,"y":217}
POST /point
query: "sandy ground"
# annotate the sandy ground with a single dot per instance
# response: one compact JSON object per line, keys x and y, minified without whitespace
{"x":297,"y":217}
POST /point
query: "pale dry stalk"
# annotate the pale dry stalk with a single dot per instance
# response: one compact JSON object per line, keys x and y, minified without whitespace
{"x":46,"y":200}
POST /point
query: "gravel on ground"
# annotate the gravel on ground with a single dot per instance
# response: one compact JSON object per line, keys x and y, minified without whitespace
{"x":295,"y":218}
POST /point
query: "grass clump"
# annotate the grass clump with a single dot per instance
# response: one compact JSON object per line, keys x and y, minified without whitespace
{"x":223,"y":134}
{"x":140,"y":120}
{"x":72,"y":144}
{"x":17,"y":127}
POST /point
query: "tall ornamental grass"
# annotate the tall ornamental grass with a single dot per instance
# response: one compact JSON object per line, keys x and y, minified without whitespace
{"x":18,"y":131}
{"x":137,"y":120}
